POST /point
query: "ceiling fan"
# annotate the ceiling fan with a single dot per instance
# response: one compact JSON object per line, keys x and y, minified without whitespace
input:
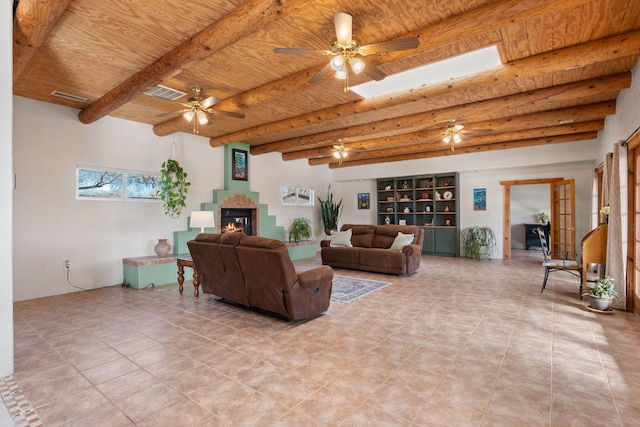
{"x":346,"y":52}
{"x":199,"y":109}
{"x":341,"y":151}
{"x":456,"y":133}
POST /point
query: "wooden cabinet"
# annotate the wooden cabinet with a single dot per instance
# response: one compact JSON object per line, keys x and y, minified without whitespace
{"x":428,"y":201}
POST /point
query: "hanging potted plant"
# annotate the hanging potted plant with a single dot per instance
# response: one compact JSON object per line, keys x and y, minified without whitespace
{"x":330,"y":212}
{"x":602,"y":294}
{"x":300,"y":229}
{"x":173,"y":188}
{"x":478,"y":242}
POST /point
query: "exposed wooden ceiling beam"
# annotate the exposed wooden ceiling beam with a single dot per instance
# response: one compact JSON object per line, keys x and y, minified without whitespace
{"x":33,"y":21}
{"x":236,"y":25}
{"x":437,"y":145}
{"x":569,"y":57}
{"x":581,"y":113}
{"x":475,"y":149}
{"x":482,"y":110}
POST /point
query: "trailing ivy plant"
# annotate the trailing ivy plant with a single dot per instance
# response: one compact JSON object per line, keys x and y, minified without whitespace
{"x":173,"y":188}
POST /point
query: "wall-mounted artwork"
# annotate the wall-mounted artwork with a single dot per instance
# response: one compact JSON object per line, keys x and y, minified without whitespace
{"x":479,"y":199}
{"x":363,"y":201}
{"x":239,"y":165}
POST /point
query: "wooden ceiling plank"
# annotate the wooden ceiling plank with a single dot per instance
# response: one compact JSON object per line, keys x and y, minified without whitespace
{"x":236,"y":25}
{"x":33,"y":21}
{"x":483,"y":110}
{"x":574,"y":56}
{"x":448,"y":152}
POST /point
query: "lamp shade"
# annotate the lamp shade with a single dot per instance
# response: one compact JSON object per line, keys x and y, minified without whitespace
{"x":202,"y":219}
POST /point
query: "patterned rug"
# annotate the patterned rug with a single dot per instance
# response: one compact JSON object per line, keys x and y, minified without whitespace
{"x":347,"y":289}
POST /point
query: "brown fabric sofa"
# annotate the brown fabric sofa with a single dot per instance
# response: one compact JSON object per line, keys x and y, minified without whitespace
{"x":257,"y":272}
{"x":370,"y":251}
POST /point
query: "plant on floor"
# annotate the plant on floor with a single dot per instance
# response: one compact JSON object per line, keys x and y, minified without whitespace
{"x":173,"y":188}
{"x":602,"y":293}
{"x":478,"y":242}
{"x":330,"y":211}
{"x":300,"y":229}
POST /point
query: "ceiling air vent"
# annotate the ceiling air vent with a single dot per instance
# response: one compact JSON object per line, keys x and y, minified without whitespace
{"x":165,"y":92}
{"x":68,"y":96}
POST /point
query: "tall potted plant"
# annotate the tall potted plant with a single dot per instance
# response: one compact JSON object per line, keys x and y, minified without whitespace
{"x":478,"y":242}
{"x":330,"y":212}
{"x":173,"y":188}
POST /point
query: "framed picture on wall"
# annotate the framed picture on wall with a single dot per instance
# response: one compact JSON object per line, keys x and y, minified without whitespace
{"x":239,"y":170}
{"x":479,"y":199}
{"x":363,"y":201}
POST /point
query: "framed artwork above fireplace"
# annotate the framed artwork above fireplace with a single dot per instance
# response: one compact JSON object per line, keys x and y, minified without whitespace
{"x":239,"y":169}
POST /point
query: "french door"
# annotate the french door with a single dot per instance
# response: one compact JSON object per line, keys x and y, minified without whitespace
{"x":563,"y":221}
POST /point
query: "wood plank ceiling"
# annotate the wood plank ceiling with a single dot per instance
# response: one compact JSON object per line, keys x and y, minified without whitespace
{"x":565,"y":62}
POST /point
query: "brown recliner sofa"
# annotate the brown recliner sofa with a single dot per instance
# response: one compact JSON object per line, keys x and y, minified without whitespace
{"x":257,"y":272}
{"x":370,"y":250}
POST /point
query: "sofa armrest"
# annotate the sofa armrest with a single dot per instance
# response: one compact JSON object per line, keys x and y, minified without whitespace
{"x":315,"y":276}
{"x":411,"y":250}
{"x":325,"y":243}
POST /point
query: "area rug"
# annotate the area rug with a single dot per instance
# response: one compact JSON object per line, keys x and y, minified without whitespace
{"x":347,"y":289}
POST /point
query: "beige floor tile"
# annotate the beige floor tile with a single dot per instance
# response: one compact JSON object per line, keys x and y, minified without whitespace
{"x":182,"y":413}
{"x":109,"y":370}
{"x":437,"y":413}
{"x":147,"y":401}
{"x":127,"y":384}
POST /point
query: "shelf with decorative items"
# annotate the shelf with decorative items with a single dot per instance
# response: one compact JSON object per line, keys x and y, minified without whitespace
{"x":428,"y":201}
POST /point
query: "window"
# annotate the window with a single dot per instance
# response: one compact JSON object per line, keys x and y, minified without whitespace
{"x":116,"y":184}
{"x":297,"y":196}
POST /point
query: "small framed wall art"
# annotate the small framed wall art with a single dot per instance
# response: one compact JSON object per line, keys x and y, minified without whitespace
{"x":363,"y":201}
{"x":239,"y":167}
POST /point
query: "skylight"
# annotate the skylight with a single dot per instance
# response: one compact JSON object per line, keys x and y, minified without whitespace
{"x":435,"y":72}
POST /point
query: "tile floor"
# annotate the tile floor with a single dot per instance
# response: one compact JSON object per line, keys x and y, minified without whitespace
{"x":460,"y":343}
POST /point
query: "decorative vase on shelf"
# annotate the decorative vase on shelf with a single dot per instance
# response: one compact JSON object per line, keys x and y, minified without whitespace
{"x":162,"y":248}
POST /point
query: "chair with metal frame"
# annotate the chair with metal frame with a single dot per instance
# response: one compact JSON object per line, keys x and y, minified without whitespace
{"x":551,"y":265}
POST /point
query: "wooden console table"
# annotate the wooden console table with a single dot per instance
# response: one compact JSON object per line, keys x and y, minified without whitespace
{"x":186,"y":261}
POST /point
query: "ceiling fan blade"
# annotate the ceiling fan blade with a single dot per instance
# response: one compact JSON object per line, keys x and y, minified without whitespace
{"x":389,"y":46}
{"x":372,"y":71}
{"x":208,"y":102}
{"x":226,"y":113}
{"x":344,"y":24}
{"x":300,"y":51}
{"x":171,"y":113}
{"x":321,"y":74}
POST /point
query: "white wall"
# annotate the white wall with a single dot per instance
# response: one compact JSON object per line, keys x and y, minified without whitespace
{"x":626,"y":121}
{"x":6,"y":190}
{"x":52,"y":226}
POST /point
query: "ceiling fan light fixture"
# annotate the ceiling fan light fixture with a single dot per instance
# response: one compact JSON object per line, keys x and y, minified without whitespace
{"x":202,"y":117}
{"x":341,"y":74}
{"x":188,"y":115}
{"x":337,"y":63}
{"x":446,"y":139}
{"x":457,"y":138}
{"x":343,"y":23}
{"x":357,"y":65}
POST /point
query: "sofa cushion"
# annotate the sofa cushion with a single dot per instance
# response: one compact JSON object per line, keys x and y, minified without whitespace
{"x":386,"y":234}
{"x":401,"y":241}
{"x":362,"y":234}
{"x":390,"y":261}
{"x":341,"y":238}
{"x":261,"y":242}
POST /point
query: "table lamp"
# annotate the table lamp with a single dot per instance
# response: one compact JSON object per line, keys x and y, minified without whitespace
{"x":202,"y":219}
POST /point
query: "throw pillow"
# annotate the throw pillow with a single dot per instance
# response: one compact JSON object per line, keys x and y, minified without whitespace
{"x":401,"y":241}
{"x":341,"y":238}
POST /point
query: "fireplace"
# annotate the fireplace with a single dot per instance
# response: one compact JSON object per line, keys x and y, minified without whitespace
{"x":237,"y":220}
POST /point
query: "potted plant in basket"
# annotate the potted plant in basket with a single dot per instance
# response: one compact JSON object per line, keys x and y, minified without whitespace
{"x":300,"y":229}
{"x":330,"y":212}
{"x":478,"y":242}
{"x":602,"y":294}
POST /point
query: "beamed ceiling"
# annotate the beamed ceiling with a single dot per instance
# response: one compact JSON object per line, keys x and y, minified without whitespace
{"x":565,"y":63}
